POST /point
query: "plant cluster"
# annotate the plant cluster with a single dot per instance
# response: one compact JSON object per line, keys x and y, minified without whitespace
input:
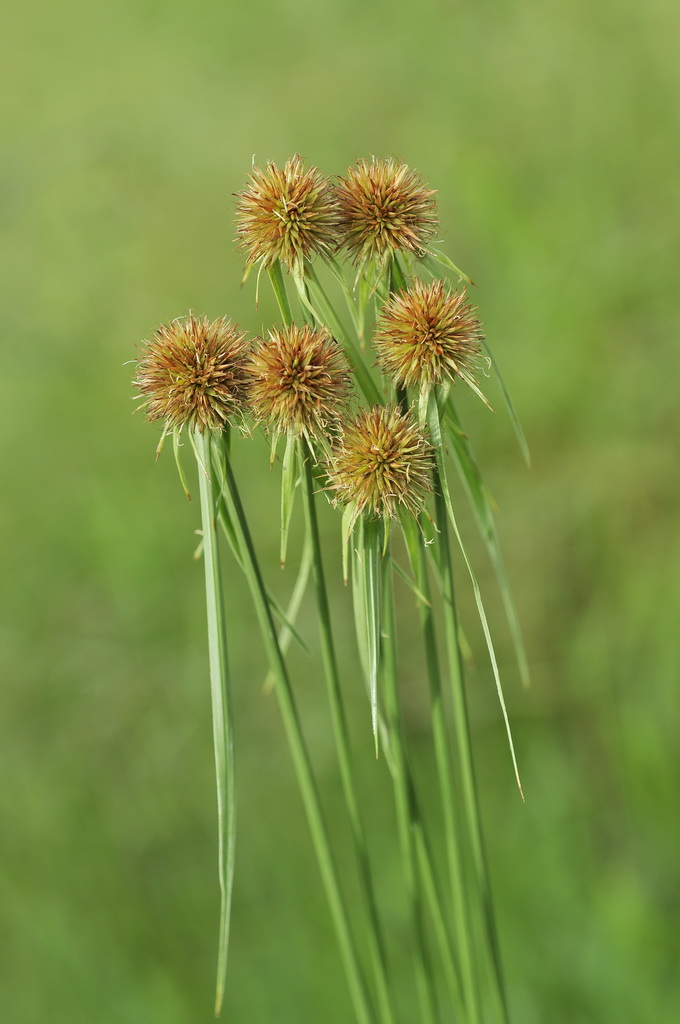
{"x":367,"y":416}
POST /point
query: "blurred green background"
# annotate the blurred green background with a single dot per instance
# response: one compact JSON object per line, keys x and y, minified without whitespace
{"x":551,"y":130}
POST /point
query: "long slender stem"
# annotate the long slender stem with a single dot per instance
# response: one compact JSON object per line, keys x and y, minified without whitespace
{"x":433,"y":898}
{"x":221,"y":703}
{"x":464,"y":922}
{"x":342,"y":742}
{"x":432,"y":888}
{"x":469,"y":996}
{"x":464,"y":751}
{"x":454,"y":840}
{"x":298,"y":748}
{"x":403,"y":801}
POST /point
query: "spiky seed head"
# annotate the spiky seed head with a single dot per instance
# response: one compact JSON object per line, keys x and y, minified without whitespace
{"x":299,"y":381}
{"x":384,"y":208}
{"x":382,"y":464}
{"x":287,"y":214}
{"x":428,"y":335}
{"x":193,"y":373}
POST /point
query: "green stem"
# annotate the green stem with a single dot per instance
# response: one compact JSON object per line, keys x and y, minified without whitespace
{"x":221,"y":702}
{"x":397,"y":282}
{"x":464,"y":751}
{"x":435,"y":902}
{"x":403,"y":800}
{"x":432,"y":889}
{"x":298,"y":749}
{"x":342,"y":742}
{"x":454,"y":845}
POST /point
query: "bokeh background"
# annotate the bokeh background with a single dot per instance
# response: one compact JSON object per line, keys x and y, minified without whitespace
{"x":551,"y":130}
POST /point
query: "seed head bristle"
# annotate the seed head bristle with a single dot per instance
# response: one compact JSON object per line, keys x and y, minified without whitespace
{"x":428,"y":335}
{"x":286,"y":214}
{"x":384,"y":208}
{"x":193,"y":373}
{"x":383,"y":463}
{"x":299,"y":381}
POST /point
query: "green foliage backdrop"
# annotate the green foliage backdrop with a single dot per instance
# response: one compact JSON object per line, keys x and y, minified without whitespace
{"x":551,"y":131}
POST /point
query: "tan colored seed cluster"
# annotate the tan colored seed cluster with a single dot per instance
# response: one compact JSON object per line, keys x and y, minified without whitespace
{"x":428,"y":335}
{"x":193,"y":373}
{"x":382,"y":464}
{"x":384,"y":208}
{"x":299,"y":381}
{"x":286,"y":214}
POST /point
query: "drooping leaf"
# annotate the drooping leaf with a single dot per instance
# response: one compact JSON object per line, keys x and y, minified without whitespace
{"x":512,"y":412}
{"x":435,"y":430}
{"x":435,"y":258}
{"x":480,"y":501}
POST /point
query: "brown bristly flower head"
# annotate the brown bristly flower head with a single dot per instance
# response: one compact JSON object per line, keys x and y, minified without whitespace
{"x":287,"y":214}
{"x":384,"y":208}
{"x":193,"y":373}
{"x":299,"y":381}
{"x":382,"y":464}
{"x":428,"y":335}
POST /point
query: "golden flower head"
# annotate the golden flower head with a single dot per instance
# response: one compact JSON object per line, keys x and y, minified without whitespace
{"x":382,"y":464}
{"x":428,"y":335}
{"x":192,"y":373}
{"x":384,"y":208}
{"x":299,"y":381}
{"x":288,"y":215}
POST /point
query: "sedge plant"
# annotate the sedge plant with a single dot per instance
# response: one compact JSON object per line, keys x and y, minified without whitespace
{"x":356,"y":390}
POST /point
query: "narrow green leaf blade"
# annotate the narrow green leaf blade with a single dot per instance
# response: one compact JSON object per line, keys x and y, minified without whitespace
{"x":324,"y":313}
{"x":398,"y":281}
{"x":354,"y":307}
{"x":176,"y":450}
{"x":512,"y":412}
{"x":403,"y":575}
{"x":372,"y":605}
{"x":480,"y":502}
{"x":348,"y":519}
{"x":231,"y":533}
{"x":223,"y":736}
{"x":358,"y":603}
{"x":435,"y":429}
{"x":366,"y":560}
{"x":289,"y":472}
{"x":436,"y":257}
{"x":279,"y":287}
{"x":289,"y":615}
